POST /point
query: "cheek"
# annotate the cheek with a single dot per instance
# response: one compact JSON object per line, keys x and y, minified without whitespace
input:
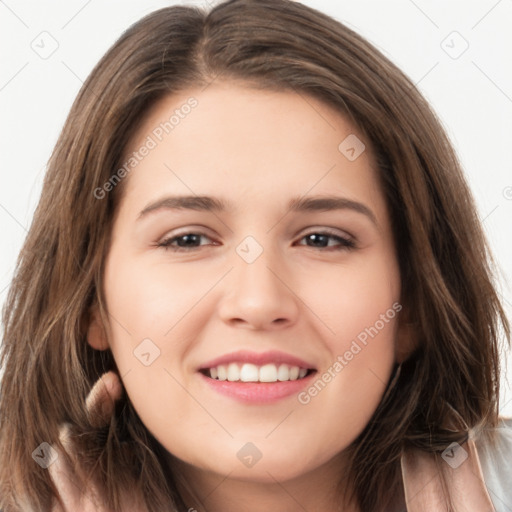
{"x":346,"y":392}
{"x":360,"y":302}
{"x":151,"y":334}
{"x":148,"y":301}
{"x":361,"y":310}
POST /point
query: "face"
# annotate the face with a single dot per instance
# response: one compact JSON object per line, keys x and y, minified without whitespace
{"x":273,"y":285}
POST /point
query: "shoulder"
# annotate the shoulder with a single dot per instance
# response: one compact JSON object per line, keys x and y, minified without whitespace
{"x":496,"y":462}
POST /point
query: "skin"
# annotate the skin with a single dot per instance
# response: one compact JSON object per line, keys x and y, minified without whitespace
{"x":256,"y":149}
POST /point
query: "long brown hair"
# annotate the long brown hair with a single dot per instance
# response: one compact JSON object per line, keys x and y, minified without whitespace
{"x":447,"y":270}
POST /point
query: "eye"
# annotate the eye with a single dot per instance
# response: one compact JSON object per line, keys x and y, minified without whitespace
{"x":184,"y":242}
{"x":319,"y":240}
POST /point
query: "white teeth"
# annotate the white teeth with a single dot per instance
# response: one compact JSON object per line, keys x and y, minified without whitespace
{"x":247,"y":372}
{"x":283,"y":373}
{"x":268,"y":373}
{"x":222,"y":373}
{"x":294,"y":372}
{"x":233,"y":372}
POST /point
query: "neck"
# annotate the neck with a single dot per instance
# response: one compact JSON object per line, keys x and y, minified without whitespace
{"x":316,"y":491}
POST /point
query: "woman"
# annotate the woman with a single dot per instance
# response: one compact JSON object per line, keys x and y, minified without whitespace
{"x":357,"y":371}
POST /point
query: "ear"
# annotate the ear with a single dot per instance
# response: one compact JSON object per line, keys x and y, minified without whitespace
{"x":407,"y":336}
{"x":96,"y":334}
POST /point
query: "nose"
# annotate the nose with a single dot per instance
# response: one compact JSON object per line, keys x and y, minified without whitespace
{"x":259,"y":295}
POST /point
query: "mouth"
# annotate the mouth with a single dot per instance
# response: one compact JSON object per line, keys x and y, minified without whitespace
{"x":248,"y":372}
{"x":257,"y":378}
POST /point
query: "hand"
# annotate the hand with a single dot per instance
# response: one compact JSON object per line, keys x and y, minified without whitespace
{"x":76,"y":496}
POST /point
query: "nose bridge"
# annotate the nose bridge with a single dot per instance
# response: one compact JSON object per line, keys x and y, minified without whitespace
{"x":257,"y":293}
{"x":254,"y":264}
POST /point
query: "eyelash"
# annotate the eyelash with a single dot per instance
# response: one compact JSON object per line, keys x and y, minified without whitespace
{"x":346,"y":244}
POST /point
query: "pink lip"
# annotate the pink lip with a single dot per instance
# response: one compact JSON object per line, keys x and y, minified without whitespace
{"x":244,"y":356}
{"x":258,"y":392}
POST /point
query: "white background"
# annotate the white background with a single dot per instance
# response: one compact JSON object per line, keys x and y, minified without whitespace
{"x":472,"y":94}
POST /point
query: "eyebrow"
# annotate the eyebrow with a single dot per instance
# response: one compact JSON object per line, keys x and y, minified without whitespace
{"x":296,"y":204}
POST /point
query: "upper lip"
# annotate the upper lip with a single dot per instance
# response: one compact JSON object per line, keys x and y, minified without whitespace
{"x":257,"y":358}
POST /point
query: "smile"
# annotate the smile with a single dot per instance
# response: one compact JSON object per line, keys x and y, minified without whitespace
{"x":257,"y":377}
{"x":248,"y":372}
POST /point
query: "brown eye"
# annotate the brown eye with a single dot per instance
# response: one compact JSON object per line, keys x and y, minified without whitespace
{"x":183,"y":242}
{"x":321,"y":240}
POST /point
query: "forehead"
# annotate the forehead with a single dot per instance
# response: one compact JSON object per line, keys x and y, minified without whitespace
{"x":235,"y":141}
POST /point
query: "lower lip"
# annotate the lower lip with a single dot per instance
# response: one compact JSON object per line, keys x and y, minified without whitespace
{"x":258,"y":392}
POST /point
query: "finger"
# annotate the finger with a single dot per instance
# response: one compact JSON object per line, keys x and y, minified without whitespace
{"x":100,"y":403}
{"x":75,"y":497}
{"x":101,"y":399}
{"x":61,"y":472}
